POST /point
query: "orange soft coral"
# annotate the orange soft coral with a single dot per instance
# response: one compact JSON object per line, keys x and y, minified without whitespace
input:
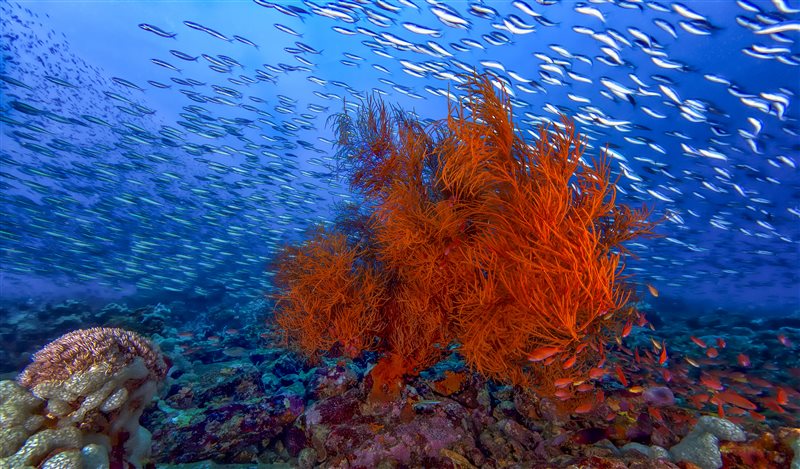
{"x":475,"y":237}
{"x":327,"y":299}
{"x":545,"y":251}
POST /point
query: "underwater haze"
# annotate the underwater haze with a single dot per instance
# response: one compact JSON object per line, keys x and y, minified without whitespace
{"x":199,"y":216}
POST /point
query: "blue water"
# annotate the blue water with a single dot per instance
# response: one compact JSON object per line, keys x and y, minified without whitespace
{"x":95,"y":214}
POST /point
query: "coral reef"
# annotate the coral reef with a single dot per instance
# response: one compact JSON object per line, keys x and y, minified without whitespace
{"x":237,"y":398}
{"x":266,"y":406}
{"x":80,"y":401}
{"x":474,"y":237}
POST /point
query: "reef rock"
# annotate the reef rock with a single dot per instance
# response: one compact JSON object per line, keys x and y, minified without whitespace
{"x":701,"y":445}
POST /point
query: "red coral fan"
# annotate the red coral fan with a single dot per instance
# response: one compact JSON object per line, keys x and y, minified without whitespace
{"x":327,"y":299}
{"x":476,"y":237}
{"x":77,"y":351}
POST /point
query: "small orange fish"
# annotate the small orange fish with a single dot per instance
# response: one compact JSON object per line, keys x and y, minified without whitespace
{"x":596,"y":373}
{"x":585,"y":408}
{"x":699,"y":342}
{"x":563,"y":382}
{"x":784,"y":341}
{"x":626,"y":330}
{"x":760,"y":382}
{"x":743,"y":360}
{"x":699,"y":400}
{"x":721,"y":342}
{"x":772,"y":405}
{"x":580,"y":348}
{"x":782,"y":396}
{"x":569,"y":362}
{"x":736,"y":399}
{"x":655,"y":414}
{"x":666,"y":374}
{"x":641,"y":320}
{"x":563,"y":394}
{"x":663,"y":357}
{"x":711,"y":382}
{"x":711,"y":352}
{"x":585,"y":387}
{"x":543,"y":353}
{"x":621,"y":376}
{"x":736,"y":411}
{"x":600,"y":396}
{"x":653,"y":291}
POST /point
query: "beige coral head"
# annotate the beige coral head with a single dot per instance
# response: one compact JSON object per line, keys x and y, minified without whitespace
{"x":77,"y":351}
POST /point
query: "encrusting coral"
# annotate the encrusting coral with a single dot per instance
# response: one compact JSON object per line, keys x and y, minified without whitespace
{"x":511,"y":250}
{"x":78,"y":404}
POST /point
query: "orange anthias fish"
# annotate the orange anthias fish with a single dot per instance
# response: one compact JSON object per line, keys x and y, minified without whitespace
{"x":782,"y":396}
{"x":596,"y":373}
{"x":627,"y":329}
{"x":569,"y":362}
{"x":736,"y":399}
{"x":621,"y":376}
{"x":711,"y":382}
{"x":743,"y":360}
{"x":655,"y":414}
{"x":699,"y":400}
{"x":563,"y":382}
{"x":784,"y":340}
{"x":711,"y":352}
{"x":543,"y":353}
{"x":585,"y":387}
{"x":663,"y":357}
{"x":699,"y":342}
{"x":653,"y":291}
{"x":773,"y":405}
{"x":721,"y":342}
{"x":585,"y":408}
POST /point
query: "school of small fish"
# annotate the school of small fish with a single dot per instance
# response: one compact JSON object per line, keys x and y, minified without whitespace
{"x":213,"y":150}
